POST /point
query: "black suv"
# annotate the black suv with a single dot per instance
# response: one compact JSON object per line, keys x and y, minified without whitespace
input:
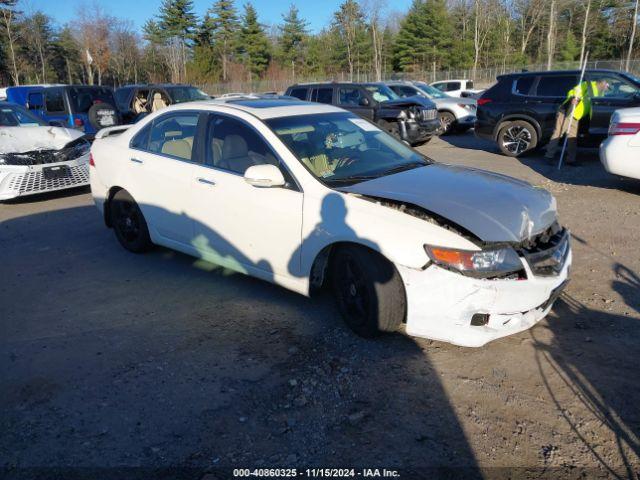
{"x":136,"y":101}
{"x":518,"y":112}
{"x":412,"y":119}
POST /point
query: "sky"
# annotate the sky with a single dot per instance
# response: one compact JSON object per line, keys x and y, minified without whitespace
{"x":316,"y":12}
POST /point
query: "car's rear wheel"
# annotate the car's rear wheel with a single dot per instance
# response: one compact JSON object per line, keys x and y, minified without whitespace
{"x":128,"y":223}
{"x":516,"y":138}
{"x":368,"y":290}
{"x":447,"y":121}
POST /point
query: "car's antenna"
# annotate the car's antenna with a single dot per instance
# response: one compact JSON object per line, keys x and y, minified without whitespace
{"x":573,"y":109}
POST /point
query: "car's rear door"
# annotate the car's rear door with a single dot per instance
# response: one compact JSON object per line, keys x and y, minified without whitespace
{"x":619,"y":93}
{"x":160,"y":165}
{"x":242,"y":227}
{"x":550,"y":91}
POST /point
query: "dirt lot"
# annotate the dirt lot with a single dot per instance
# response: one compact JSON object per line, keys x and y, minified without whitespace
{"x":114,"y":365}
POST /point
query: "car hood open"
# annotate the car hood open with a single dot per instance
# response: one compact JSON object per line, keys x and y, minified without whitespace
{"x":493,"y":207}
{"x":26,"y":139}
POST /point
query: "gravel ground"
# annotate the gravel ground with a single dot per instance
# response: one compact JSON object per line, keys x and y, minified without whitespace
{"x":123,"y":366}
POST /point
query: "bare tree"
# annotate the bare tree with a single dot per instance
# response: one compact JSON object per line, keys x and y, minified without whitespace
{"x":634,"y":24}
{"x":482,"y":25}
{"x":93,"y":28}
{"x":585,"y":26}
{"x":373,"y":11}
{"x":529,"y":14}
{"x":8,"y":19}
{"x":551,"y":33}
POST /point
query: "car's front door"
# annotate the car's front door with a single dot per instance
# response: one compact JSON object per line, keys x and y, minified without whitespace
{"x":242,"y":227}
{"x":161,"y":159}
{"x":355,"y":100}
{"x":550,"y":92}
{"x":618,"y":92}
{"x":55,"y":107}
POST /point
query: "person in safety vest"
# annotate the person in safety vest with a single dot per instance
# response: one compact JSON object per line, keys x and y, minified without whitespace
{"x":580,"y":96}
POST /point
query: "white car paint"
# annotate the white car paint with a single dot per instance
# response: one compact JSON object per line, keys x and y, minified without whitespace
{"x":620,"y":152}
{"x":465,"y":86}
{"x":277,"y":233}
{"x":29,"y":178}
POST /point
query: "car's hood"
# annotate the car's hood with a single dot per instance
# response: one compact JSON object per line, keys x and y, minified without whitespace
{"x":27,"y":139}
{"x":443,"y":102}
{"x":494,"y":207}
{"x":407,"y":102}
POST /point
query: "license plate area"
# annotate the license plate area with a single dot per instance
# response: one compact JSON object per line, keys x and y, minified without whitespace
{"x":58,"y":171}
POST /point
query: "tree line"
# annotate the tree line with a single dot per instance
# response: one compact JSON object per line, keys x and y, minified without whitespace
{"x":229,"y":43}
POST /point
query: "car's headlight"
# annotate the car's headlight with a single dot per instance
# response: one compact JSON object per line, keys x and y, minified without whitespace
{"x":481,"y":264}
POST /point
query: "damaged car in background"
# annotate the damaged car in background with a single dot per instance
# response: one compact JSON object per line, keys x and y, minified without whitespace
{"x":316,"y":196}
{"x":36,"y":157}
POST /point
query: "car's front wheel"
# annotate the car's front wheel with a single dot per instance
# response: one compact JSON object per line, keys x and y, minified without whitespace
{"x":516,"y":138}
{"x":368,"y":290}
{"x":128,"y":223}
{"x":447,"y":122}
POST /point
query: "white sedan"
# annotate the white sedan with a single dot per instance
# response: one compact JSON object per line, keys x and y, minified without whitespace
{"x":620,"y":152}
{"x":305,"y":194}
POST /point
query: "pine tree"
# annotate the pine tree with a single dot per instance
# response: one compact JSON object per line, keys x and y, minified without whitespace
{"x":293,"y":34}
{"x":254,"y":46}
{"x":177,"y":19}
{"x":348,"y":21}
{"x":424,"y":37}
{"x":224,"y":25}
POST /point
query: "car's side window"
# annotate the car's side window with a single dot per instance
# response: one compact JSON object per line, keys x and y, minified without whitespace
{"x":555,"y":85}
{"x":141,"y":140}
{"x":299,"y":93}
{"x":522,"y":86}
{"x":451,"y":86}
{"x":612,"y":86}
{"x":440,"y":86}
{"x":350,"y":96}
{"x":174,"y":134}
{"x":54,"y":101}
{"x":234,"y":146}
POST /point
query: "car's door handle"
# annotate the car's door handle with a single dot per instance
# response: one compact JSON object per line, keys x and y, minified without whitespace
{"x":206,"y":181}
{"x":135,"y":160}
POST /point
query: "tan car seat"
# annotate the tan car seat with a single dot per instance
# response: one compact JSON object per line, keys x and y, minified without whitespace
{"x":178,"y":148}
{"x":158,"y":102}
{"x":140,"y":105}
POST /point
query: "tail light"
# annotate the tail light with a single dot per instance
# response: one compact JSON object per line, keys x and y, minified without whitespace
{"x":77,"y":122}
{"x":91,"y":162}
{"x":484,"y":101}
{"x":624,"y":128}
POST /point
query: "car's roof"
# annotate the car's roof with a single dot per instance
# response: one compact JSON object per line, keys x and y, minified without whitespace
{"x":161,"y":85}
{"x":452,"y":80}
{"x":263,"y":108}
{"x":556,"y":72}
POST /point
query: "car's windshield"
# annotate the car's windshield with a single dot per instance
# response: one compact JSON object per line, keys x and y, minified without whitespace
{"x":16,"y":116}
{"x":430,"y":91}
{"x":381,"y":93}
{"x":83,"y":98}
{"x":341,"y":148}
{"x":186,"y":94}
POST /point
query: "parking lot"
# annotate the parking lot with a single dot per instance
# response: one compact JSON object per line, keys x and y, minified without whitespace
{"x":118,"y":361}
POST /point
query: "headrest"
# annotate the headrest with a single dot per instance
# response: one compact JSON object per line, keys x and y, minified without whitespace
{"x":234,"y":146}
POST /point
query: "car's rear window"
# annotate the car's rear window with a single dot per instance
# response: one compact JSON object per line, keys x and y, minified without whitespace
{"x":555,"y":85}
{"x":83,"y":98}
{"x":523,"y":85}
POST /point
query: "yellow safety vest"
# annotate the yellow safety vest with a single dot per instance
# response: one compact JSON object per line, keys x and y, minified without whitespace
{"x":582,"y":92}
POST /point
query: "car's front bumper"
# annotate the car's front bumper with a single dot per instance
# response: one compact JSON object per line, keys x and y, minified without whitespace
{"x":417,"y":132}
{"x":441,"y":303}
{"x":21,"y":180}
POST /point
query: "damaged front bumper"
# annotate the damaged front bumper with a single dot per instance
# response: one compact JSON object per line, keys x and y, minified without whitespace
{"x":444,"y":305}
{"x":43,"y":171}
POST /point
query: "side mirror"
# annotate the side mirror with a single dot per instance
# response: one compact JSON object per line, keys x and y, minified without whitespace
{"x":265,"y":176}
{"x":364,"y":102}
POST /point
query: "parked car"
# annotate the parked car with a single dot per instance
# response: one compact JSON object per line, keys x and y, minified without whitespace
{"x":620,"y":152}
{"x":458,"y":87}
{"x":303,"y":195}
{"x":518,"y":112}
{"x":455,"y":114}
{"x":136,"y":101}
{"x":413,"y":120}
{"x":36,"y":157}
{"x":84,"y":107}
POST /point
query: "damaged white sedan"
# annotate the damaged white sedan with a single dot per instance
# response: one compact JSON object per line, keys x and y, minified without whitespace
{"x":36,"y":157}
{"x":304,"y":195}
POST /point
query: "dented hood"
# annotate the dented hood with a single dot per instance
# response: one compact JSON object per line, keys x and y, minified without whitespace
{"x":494,"y":207}
{"x":27,"y":139}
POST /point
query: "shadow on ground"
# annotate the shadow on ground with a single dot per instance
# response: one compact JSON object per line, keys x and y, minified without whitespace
{"x":118,"y":365}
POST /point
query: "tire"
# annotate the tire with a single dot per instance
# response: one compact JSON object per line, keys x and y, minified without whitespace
{"x":103,"y":115}
{"x":368,"y":290}
{"x":128,"y":223}
{"x":516,"y":138}
{"x":447,"y":122}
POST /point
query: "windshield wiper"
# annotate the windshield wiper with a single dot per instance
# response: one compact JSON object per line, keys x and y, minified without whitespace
{"x":403,"y":167}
